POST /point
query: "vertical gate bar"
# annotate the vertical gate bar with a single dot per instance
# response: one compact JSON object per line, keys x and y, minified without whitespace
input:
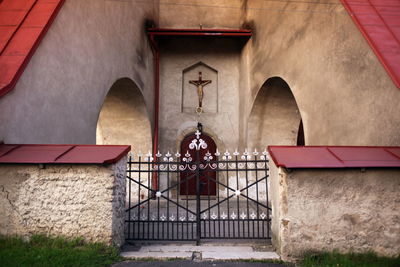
{"x":217,"y":185}
{"x":187,"y":206}
{"x":237,"y":197}
{"x":266,"y":193}
{"x":168,"y":185}
{"x":129,"y":195}
{"x":247,"y":199}
{"x":227,"y":195}
{"x":149,"y":193}
{"x":209,"y":205}
{"x":258,"y":207}
{"x":139,"y":211}
{"x":177,"y":216}
{"x":148,"y":216}
{"x":159,"y":164}
{"x":198,"y":199}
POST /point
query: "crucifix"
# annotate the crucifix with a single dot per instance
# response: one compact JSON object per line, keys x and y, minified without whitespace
{"x":200,"y":84}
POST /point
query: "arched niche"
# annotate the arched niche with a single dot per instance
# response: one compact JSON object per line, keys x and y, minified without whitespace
{"x":275,"y":117}
{"x":123,"y":119}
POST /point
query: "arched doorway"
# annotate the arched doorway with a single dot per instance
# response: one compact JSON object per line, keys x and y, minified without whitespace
{"x":275,"y":117}
{"x":207,"y":177}
{"x":123,"y":119}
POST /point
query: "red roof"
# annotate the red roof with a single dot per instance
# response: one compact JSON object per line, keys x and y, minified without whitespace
{"x":57,"y":154}
{"x":335,"y":156}
{"x":23,"y":24}
{"x":379,"y":22}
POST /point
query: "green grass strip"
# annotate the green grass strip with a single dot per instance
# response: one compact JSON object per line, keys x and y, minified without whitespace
{"x":334,"y":259}
{"x":48,"y":251}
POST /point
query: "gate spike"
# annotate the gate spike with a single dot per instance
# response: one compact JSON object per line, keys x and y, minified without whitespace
{"x":177,"y":154}
{"x":255,"y":153}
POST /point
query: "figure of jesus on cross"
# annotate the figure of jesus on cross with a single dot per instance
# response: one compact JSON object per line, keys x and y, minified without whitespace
{"x":200,"y":84}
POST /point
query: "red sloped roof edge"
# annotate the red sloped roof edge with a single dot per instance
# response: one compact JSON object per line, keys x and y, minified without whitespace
{"x":9,"y":87}
{"x":389,"y":70}
{"x":323,"y":157}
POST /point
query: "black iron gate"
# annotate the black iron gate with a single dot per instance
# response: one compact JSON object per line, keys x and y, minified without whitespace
{"x":238,"y":209}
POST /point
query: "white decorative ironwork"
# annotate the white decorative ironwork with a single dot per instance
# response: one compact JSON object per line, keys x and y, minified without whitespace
{"x":163,"y":217}
{"x":143,"y":218}
{"x":158,"y":194}
{"x":205,"y":216}
{"x":263,"y":215}
{"x":158,"y":155}
{"x":233,"y":216}
{"x":237,"y":193}
{"x":236,"y":153}
{"x":253,"y":215}
{"x":214,"y":216}
{"x":153,"y":217}
{"x":149,"y":157}
{"x":208,"y":156}
{"x":168,"y":157}
{"x":227,"y":155}
{"x":246,"y":155}
{"x":182,"y":218}
{"x":191,"y":217}
{"x":243,"y":215}
{"x":217,"y":154}
{"x":224,"y":216}
{"x":177,"y":154}
{"x":198,"y":143}
{"x":172,"y":218}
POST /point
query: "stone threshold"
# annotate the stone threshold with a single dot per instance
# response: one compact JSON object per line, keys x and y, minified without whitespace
{"x":212,"y":251}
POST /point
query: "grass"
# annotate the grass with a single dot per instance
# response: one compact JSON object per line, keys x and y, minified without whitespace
{"x":334,"y":259}
{"x":47,"y":251}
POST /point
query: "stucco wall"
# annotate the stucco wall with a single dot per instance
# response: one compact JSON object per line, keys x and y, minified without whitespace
{"x":69,"y":200}
{"x":344,"y":94}
{"x":348,"y":210}
{"x":220,"y":121}
{"x":275,"y":118}
{"x":123,"y":119}
{"x":90,"y":45}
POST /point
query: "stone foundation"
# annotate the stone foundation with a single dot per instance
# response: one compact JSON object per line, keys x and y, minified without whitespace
{"x":68,"y":200}
{"x":335,"y":209}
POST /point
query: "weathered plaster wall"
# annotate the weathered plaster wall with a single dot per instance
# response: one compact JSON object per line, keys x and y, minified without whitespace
{"x":347,"y":210}
{"x":90,"y":45}
{"x":123,"y":119}
{"x":221,"y":55}
{"x":344,"y":95}
{"x":275,"y":118}
{"x":69,"y":200}
{"x":193,"y":13}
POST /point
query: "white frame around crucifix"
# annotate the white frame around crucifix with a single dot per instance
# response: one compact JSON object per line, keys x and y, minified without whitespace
{"x":210,"y":100}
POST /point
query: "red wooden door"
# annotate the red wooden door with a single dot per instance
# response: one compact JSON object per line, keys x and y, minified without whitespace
{"x":208,"y":186}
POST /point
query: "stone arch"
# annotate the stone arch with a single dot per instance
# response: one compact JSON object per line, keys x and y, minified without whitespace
{"x":275,"y":118}
{"x":123,"y":118}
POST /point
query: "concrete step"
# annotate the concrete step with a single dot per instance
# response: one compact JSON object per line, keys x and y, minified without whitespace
{"x":202,"y":252}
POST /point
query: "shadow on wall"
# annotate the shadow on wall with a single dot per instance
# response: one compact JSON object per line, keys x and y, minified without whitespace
{"x":123,"y":119}
{"x":275,"y":117}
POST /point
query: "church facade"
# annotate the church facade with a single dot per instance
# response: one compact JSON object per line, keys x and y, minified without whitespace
{"x":305,"y":74}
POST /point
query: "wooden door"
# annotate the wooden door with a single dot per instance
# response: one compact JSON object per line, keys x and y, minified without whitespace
{"x":207,"y":176}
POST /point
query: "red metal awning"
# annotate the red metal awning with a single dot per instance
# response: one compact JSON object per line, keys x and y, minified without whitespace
{"x":62,"y":154}
{"x":23,"y":24}
{"x":379,"y":22}
{"x":335,"y":156}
